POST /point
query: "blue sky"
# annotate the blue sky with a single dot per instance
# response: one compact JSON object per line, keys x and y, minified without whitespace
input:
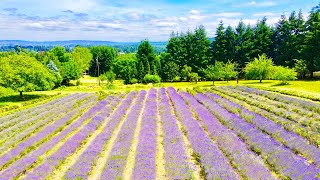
{"x":132,"y":20}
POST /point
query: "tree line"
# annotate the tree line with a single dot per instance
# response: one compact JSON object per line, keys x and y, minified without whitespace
{"x":292,"y":44}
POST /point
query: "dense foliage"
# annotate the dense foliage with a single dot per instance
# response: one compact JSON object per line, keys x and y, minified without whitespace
{"x":23,"y":73}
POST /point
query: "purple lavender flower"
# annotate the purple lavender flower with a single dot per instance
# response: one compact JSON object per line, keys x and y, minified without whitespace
{"x":213,"y":162}
{"x":20,"y":165}
{"x":277,"y":156}
{"x":121,"y":147}
{"x":176,"y":159}
{"x":145,"y":165}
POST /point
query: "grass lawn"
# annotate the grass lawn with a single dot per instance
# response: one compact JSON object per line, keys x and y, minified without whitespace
{"x":305,"y":89}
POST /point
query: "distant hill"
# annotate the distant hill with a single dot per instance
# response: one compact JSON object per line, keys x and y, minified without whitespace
{"x":127,"y":47}
{"x":69,"y":43}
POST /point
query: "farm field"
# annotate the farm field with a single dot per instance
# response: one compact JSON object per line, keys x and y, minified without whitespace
{"x":223,"y":132}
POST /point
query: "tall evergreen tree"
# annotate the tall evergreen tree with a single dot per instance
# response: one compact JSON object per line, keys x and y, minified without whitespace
{"x":230,"y":38}
{"x":240,"y":54}
{"x":146,"y":57}
{"x":199,"y":47}
{"x":262,"y":38}
{"x":283,"y":43}
{"x":248,"y":44}
{"x":298,"y":33}
{"x":218,"y":46}
{"x":312,"y":41}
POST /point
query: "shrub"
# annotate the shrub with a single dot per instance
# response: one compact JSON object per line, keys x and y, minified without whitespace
{"x":109,"y":77}
{"x":284,"y":74}
{"x":194,"y":77}
{"x":148,"y":78}
{"x":133,"y":81}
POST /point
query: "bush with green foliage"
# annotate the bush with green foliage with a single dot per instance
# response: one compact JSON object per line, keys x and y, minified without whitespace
{"x":109,"y":77}
{"x":148,"y":78}
{"x":133,"y":81}
{"x":194,"y":77}
{"x":301,"y":67}
{"x":260,"y":68}
{"x":186,"y":72}
{"x":284,"y":74}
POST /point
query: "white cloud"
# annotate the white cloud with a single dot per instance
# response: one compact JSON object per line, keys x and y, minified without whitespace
{"x":228,"y":14}
{"x":194,"y":12}
{"x":260,"y":4}
{"x":263,"y":14}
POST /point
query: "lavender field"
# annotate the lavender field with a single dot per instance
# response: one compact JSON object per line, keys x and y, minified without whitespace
{"x":231,"y":133}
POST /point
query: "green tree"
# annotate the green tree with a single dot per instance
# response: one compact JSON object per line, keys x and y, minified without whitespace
{"x":70,"y":71}
{"x":214,"y":72}
{"x":51,"y":66}
{"x":312,"y":42}
{"x":68,"y":68}
{"x":230,"y":38}
{"x":229,"y":71}
{"x":248,"y":44}
{"x":61,"y":54}
{"x":260,"y":68}
{"x":284,"y":74}
{"x":297,"y":36}
{"x":301,"y":68}
{"x":146,"y":59}
{"x":171,"y":71}
{"x":243,"y":44}
{"x":105,"y":56}
{"x":218,"y":46}
{"x":283,"y":43}
{"x":23,"y":73}
{"x":262,"y":38}
{"x":83,"y":57}
{"x":194,"y":77}
{"x":199,"y":48}
{"x":125,"y":67}
{"x":186,"y":72}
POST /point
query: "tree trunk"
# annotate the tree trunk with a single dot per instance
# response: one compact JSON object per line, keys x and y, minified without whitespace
{"x":20,"y":94}
{"x":212,"y":82}
{"x":237,"y":81}
{"x":260,"y":80}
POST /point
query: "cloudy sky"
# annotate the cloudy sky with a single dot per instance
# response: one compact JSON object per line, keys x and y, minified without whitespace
{"x":131,"y":20}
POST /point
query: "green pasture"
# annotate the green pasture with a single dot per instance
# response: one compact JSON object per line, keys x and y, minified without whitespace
{"x":10,"y":101}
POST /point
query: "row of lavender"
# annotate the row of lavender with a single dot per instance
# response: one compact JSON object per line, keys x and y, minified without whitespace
{"x":286,"y":110}
{"x":11,"y":124}
{"x":255,"y":106}
{"x":281,"y":158}
{"x":70,"y":146}
{"x":17,"y":158}
{"x":40,"y":137}
{"x":32,"y":125}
